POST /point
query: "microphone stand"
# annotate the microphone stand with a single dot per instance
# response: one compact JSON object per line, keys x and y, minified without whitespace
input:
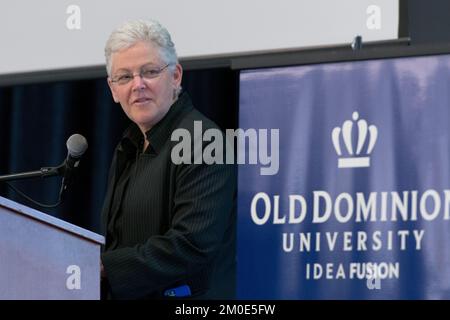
{"x":76,"y":146}
{"x":42,"y":173}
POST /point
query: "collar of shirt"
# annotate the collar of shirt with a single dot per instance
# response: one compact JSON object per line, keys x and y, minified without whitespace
{"x":132,"y":140}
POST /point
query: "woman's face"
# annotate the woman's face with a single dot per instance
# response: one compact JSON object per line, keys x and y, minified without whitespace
{"x":144,"y":99}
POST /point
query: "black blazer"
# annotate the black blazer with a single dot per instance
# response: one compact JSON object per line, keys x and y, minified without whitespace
{"x":169,"y":225}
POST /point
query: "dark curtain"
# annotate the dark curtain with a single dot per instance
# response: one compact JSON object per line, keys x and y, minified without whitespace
{"x":36,"y":121}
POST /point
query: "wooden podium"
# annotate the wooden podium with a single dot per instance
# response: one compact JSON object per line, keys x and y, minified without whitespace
{"x":42,"y":257}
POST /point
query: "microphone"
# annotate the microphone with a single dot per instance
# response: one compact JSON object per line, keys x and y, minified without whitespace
{"x":76,"y":147}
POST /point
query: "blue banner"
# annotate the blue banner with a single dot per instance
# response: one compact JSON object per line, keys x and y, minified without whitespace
{"x":358,"y":206}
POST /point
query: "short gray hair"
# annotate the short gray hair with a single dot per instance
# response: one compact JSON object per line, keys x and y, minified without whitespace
{"x":135,"y":31}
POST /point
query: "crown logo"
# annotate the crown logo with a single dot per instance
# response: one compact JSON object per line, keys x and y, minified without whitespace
{"x":354,"y":158}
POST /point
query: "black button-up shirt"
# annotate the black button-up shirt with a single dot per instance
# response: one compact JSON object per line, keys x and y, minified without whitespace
{"x":168,"y":225}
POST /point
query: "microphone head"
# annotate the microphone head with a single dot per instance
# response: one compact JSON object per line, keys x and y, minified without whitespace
{"x":76,"y":145}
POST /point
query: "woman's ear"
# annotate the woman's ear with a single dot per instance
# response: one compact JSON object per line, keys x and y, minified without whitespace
{"x":177,"y":75}
{"x":112,"y":88}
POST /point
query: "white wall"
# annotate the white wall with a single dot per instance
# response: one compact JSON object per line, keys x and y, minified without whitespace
{"x":35,"y":37}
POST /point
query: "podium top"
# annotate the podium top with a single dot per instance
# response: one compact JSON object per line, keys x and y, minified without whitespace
{"x":48,"y":219}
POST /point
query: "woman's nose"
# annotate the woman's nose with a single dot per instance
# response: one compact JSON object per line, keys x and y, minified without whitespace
{"x":138,"y":82}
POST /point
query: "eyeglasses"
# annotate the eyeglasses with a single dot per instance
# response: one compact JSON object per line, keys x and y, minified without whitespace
{"x":146,"y":73}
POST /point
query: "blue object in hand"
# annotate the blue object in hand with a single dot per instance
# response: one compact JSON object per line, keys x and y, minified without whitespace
{"x":181,"y":291}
